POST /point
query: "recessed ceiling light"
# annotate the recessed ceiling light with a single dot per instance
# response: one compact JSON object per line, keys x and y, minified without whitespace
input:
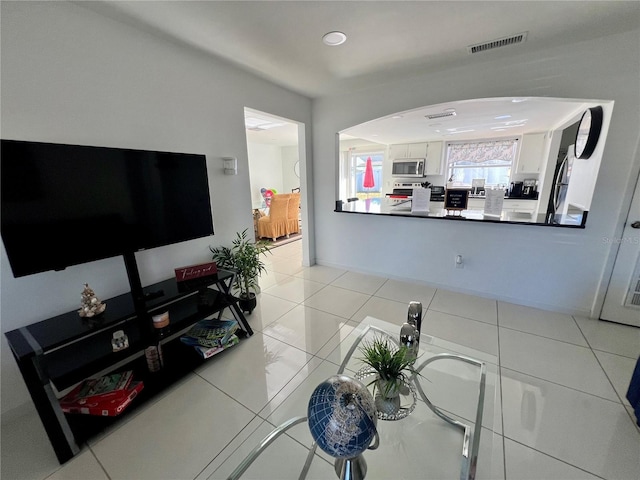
{"x":518,"y":100}
{"x":334,"y":38}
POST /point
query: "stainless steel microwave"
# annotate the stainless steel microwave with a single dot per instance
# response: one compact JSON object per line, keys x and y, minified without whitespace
{"x":408,"y":167}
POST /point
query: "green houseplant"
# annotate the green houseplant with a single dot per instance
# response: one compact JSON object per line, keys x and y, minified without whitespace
{"x":392,"y":364}
{"x":243,"y":258}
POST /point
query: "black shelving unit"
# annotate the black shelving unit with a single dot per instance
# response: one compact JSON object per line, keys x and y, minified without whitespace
{"x":64,"y":350}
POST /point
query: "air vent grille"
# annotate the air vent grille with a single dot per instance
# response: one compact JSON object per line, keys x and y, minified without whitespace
{"x":633,"y":295}
{"x":440,"y":115}
{"x":500,"y":42}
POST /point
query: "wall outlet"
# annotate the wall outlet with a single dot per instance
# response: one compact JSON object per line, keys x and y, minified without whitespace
{"x":459,"y":261}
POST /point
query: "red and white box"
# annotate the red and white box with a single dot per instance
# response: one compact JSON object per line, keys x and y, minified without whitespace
{"x":115,"y":385}
{"x":109,"y":407}
{"x":192,"y":272}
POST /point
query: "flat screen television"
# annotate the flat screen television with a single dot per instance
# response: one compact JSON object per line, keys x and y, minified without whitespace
{"x":64,"y":205}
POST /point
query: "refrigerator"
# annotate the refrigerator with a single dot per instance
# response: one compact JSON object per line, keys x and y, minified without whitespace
{"x":558,"y":205}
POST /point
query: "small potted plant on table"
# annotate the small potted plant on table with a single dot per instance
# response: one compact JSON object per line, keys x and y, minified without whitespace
{"x":244,"y":259}
{"x":393,"y":366}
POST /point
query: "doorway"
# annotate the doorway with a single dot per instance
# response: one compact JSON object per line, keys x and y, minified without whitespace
{"x":273,"y":147}
{"x":622,"y":300}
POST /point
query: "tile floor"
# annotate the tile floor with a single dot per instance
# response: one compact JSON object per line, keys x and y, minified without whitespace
{"x":561,"y":411}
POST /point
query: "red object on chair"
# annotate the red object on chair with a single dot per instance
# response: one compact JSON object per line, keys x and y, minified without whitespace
{"x":368,"y":181}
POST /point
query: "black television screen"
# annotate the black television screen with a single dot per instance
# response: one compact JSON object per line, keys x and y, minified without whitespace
{"x":64,"y":205}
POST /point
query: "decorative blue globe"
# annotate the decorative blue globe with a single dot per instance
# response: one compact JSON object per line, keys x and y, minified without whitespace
{"x":342,"y":416}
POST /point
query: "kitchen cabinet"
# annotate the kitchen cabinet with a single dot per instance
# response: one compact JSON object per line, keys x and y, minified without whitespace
{"x":531,"y":153}
{"x":519,"y":206}
{"x":434,"y":159}
{"x":432,"y":151}
{"x":509,"y":205}
{"x":475,"y":204}
{"x":408,"y":150}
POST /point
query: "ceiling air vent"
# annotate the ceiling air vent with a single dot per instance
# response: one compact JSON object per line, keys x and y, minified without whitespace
{"x":500,"y":42}
{"x":440,"y":115}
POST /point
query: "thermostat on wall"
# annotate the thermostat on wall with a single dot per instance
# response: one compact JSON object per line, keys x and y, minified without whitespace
{"x":230,"y":165}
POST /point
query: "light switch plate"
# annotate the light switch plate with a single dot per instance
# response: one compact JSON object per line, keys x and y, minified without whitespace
{"x":230,"y":165}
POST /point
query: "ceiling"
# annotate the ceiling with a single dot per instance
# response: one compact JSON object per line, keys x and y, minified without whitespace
{"x":282,"y":40}
{"x":473,"y":119}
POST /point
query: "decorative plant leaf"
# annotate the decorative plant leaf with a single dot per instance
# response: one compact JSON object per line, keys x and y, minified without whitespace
{"x":244,"y":258}
{"x":389,"y":360}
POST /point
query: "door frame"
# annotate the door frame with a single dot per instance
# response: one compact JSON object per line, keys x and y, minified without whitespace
{"x":632,"y":196}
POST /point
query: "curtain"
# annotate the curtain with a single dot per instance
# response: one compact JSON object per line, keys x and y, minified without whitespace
{"x":482,"y":152}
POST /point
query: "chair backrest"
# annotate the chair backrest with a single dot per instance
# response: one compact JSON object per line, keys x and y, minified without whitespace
{"x":279,"y":205}
{"x":294,"y":206}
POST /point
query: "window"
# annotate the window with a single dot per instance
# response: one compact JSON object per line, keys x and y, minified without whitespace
{"x":353,"y":173}
{"x":491,"y":160}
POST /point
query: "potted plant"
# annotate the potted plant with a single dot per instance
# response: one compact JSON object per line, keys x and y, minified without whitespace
{"x":244,"y":259}
{"x":392,"y":364}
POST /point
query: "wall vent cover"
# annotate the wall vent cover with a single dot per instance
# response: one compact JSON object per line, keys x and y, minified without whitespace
{"x":440,"y":115}
{"x":499,"y":42}
{"x":633,"y":294}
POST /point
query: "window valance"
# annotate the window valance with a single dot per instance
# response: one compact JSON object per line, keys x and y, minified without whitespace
{"x":482,"y":152}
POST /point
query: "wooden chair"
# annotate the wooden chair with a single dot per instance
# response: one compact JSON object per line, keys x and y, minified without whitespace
{"x":293,"y":212}
{"x":274,"y":225}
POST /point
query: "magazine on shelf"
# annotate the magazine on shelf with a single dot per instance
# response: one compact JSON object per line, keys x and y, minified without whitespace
{"x":210,"y":333}
{"x":109,"y":407}
{"x":206,"y":352}
{"x":106,"y":387}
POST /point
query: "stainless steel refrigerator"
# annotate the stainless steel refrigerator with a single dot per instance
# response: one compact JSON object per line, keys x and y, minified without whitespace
{"x":557,"y":208}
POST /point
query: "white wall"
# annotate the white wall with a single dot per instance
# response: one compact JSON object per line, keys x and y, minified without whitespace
{"x":271,"y":166}
{"x":289,"y":178}
{"x":554,"y":268}
{"x":72,"y":76}
{"x":265,"y":169}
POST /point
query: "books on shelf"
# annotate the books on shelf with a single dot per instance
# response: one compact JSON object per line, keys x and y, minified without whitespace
{"x":206,"y":352}
{"x":108,"y":406}
{"x":210,"y":333}
{"x":106,"y":387}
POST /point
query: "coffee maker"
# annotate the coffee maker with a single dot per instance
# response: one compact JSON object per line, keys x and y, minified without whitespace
{"x":530,"y":188}
{"x":516,"y":189}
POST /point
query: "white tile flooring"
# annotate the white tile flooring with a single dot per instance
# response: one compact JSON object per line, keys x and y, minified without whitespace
{"x":562,"y":411}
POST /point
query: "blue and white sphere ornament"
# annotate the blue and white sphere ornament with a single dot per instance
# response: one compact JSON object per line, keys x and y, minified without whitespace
{"x":342,"y":417}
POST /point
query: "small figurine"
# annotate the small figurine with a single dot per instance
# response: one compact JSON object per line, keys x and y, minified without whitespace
{"x":120,"y":341}
{"x":90,"y":305}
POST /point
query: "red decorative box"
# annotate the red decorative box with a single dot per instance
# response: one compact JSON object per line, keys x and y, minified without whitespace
{"x":196,"y":271}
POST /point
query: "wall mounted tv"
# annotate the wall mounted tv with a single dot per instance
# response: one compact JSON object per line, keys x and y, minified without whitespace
{"x":64,"y":205}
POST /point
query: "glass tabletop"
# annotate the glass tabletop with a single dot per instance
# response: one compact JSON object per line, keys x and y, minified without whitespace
{"x":455,"y":390}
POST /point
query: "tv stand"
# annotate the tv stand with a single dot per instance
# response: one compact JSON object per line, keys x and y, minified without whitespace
{"x":153,"y":295}
{"x":59,"y":352}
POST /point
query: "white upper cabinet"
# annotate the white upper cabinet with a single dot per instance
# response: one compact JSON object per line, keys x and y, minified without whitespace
{"x":408,"y":150}
{"x":434,"y":159}
{"x":531,"y":153}
{"x":417,"y":150}
{"x":432,"y":151}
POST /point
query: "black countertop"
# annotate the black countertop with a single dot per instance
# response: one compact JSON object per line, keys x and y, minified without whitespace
{"x":390,"y":207}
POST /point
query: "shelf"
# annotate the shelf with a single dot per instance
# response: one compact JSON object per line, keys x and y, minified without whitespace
{"x":66,"y":349}
{"x":76,"y":361}
{"x":180,"y":359}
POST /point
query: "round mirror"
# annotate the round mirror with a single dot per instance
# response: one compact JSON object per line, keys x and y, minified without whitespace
{"x":588,"y":132}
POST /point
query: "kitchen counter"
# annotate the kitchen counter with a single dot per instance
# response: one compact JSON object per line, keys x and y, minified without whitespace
{"x":386,"y":206}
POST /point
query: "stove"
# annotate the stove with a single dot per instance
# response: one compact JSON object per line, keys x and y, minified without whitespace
{"x":403,"y":191}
